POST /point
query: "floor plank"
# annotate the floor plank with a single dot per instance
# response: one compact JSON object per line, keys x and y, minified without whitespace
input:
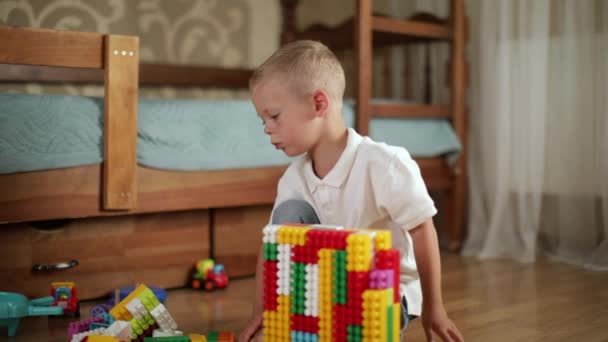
{"x":490,"y":300}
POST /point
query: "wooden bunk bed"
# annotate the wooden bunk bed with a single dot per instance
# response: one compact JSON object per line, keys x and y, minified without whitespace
{"x":120,"y":186}
{"x":369,"y":30}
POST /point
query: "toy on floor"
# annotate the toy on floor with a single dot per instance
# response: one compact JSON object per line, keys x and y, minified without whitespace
{"x":208,"y":275}
{"x":329,"y":284}
{"x":14,"y":306}
{"x":211,"y":337}
{"x":138,"y":317}
{"x":65,"y":296}
{"x":122,"y":293}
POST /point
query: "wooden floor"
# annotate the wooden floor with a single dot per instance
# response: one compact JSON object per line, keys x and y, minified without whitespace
{"x":488,"y":300}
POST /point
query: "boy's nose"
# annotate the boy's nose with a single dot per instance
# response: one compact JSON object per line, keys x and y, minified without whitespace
{"x":267,"y":130}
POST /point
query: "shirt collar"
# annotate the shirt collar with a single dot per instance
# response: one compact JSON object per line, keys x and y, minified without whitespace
{"x":337,"y":175}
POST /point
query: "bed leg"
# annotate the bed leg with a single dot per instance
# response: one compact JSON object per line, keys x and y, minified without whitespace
{"x":455,"y":208}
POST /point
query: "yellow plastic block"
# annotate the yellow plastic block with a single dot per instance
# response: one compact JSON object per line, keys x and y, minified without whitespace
{"x":68,"y":284}
{"x":295,"y":236}
{"x":119,"y":311}
{"x":358,"y":252}
{"x":325,"y":294}
{"x":375,"y":324}
{"x":396,"y":321}
{"x":101,"y":338}
{"x":382,"y":241}
{"x":197,"y":338}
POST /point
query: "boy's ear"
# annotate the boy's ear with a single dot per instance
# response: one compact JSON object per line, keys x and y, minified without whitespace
{"x":321,"y":102}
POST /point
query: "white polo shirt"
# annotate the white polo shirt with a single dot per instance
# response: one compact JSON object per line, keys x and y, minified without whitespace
{"x":373,"y":185}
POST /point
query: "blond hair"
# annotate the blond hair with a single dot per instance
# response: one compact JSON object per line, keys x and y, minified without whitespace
{"x":308,"y":66}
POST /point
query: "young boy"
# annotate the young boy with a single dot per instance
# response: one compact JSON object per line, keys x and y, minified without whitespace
{"x":344,"y":179}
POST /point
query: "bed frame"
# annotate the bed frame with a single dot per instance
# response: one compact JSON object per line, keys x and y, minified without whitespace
{"x":120,"y":186}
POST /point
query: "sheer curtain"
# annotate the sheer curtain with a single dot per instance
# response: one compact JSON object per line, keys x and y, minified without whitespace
{"x":538,"y":161}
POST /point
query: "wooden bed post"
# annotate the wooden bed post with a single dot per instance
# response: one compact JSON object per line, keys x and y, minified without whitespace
{"x":363,"y":65}
{"x":457,"y":195}
{"x":121,"y":63}
{"x":288,"y":28}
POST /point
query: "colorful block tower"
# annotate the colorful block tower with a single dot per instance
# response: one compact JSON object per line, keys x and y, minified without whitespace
{"x":330,"y":284}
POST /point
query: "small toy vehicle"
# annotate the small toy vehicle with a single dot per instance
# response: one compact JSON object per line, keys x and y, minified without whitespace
{"x":208,"y":275}
{"x":64,"y":295}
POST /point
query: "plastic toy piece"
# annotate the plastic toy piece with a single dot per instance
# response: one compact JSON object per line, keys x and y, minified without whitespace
{"x":208,"y":276}
{"x":381,"y":279}
{"x":165,"y":333}
{"x":167,"y":339}
{"x":311,"y":294}
{"x":102,"y":338}
{"x":354,"y":333}
{"x":215,"y":336}
{"x":163,"y":318}
{"x":375,"y":315}
{"x":292,"y":235}
{"x":65,"y":296}
{"x":14,"y":306}
{"x":100,"y":310}
{"x":382,"y":240}
{"x":359,"y":252}
{"x":325,"y":294}
{"x":80,"y":336}
{"x":339,"y":277}
{"x":75,"y":328}
{"x":284,"y":269}
{"x":119,"y":329}
{"x":197,"y":338}
{"x":123,"y":292}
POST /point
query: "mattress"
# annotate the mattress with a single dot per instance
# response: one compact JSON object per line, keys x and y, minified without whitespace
{"x":41,"y":132}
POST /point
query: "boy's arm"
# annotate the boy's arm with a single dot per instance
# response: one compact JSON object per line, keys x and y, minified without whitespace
{"x":426,"y":251}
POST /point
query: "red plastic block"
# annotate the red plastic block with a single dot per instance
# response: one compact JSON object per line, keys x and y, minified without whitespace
{"x":305,"y":254}
{"x":305,"y":323}
{"x":327,"y":238}
{"x":270,"y":285}
{"x":340,"y":313}
{"x":356,"y":283}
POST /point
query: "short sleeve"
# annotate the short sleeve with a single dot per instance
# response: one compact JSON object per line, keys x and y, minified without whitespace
{"x":401,"y":192}
{"x":289,"y":187}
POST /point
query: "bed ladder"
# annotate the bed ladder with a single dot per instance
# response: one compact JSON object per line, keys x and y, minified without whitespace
{"x":455,"y":33}
{"x":118,"y":56}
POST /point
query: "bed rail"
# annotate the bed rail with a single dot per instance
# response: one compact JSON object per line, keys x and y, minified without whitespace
{"x":118,"y":56}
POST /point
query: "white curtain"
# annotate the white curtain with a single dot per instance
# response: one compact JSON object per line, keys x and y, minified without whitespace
{"x":538,"y":161}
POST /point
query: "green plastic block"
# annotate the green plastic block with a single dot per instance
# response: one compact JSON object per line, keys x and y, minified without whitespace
{"x":389,"y":326}
{"x":354,"y":333}
{"x":298,"y":288}
{"x":270,"y":252}
{"x":339,"y":277}
{"x":167,"y":339}
{"x":212,"y":336}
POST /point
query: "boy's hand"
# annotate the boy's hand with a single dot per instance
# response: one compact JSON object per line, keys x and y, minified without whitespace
{"x":252,"y":327}
{"x":436,"y":323}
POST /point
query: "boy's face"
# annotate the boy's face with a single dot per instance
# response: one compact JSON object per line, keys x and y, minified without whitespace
{"x":288,"y":118}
